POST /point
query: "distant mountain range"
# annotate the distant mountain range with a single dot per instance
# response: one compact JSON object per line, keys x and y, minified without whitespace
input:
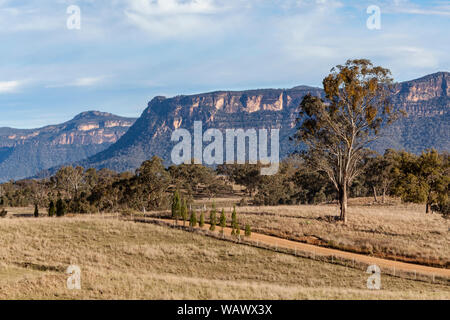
{"x":124,"y":146}
{"x":426,"y":101}
{"x":23,"y":153}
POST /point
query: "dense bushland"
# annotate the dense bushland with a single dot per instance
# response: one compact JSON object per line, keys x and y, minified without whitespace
{"x":421,"y":178}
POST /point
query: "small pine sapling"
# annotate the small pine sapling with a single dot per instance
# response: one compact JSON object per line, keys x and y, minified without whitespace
{"x":212,"y":217}
{"x":223,"y":221}
{"x":193,"y":219}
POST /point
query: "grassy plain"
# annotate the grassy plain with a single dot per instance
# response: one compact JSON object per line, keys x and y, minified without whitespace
{"x":126,"y":260}
{"x":394,"y":231}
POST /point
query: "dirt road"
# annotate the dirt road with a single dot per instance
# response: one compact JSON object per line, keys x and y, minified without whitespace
{"x":316,"y":250}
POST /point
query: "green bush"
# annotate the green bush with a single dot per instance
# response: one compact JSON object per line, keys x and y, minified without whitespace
{"x":248,"y":230}
{"x":60,"y":208}
{"x":36,"y":211}
{"x":176,"y":206}
{"x":202,"y":220}
{"x":238,"y":230}
{"x":51,"y":209}
{"x":184,"y":212}
{"x":234,"y":222}
{"x":223,"y":220}
{"x":212,"y":217}
{"x":193,"y":220}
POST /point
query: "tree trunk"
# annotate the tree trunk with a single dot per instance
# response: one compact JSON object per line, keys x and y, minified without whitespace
{"x":343,"y":203}
{"x":375,"y":193}
{"x":428,"y":208}
{"x":384,"y":195}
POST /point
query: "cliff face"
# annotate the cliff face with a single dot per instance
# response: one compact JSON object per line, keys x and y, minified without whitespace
{"x":23,"y":153}
{"x":427,"y":125}
{"x":427,"y":96}
{"x":426,"y":101}
{"x":151,"y":134}
{"x":85,"y":129}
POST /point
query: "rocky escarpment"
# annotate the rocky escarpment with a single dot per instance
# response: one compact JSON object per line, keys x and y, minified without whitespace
{"x":88,"y":128}
{"x":426,"y":101}
{"x":427,"y":96}
{"x":151,"y":134}
{"x":23,"y":153}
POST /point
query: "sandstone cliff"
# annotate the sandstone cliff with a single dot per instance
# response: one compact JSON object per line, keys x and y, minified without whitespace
{"x":24,"y":153}
{"x":426,"y":101}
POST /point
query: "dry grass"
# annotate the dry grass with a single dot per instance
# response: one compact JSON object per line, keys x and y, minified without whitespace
{"x":400,"y":231}
{"x":125,"y":260}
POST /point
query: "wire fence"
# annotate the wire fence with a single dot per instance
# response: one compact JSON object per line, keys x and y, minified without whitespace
{"x":417,"y":275}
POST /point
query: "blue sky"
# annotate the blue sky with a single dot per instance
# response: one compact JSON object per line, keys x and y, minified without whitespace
{"x":128,"y":51}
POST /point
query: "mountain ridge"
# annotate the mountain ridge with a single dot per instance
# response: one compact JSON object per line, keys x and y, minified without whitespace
{"x":25,"y":152}
{"x":426,"y":101}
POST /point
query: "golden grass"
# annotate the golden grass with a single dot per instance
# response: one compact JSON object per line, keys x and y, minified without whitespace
{"x":126,"y":260}
{"x":401,"y":231}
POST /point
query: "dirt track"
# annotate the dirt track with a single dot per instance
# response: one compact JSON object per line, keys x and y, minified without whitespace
{"x":316,"y":250}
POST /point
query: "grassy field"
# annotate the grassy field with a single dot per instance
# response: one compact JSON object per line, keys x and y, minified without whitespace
{"x":126,"y":260}
{"x":397,"y":231}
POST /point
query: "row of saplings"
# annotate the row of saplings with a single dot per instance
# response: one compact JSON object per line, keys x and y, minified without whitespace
{"x":180,"y":211}
{"x":57,"y":208}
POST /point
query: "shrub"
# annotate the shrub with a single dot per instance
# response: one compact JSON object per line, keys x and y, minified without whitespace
{"x":193,"y":220}
{"x":443,"y":209}
{"x":248,"y":230}
{"x":176,"y":206}
{"x":234,"y":222}
{"x":60,"y":208}
{"x":36,"y":211}
{"x":238,"y":230}
{"x":202,"y":220}
{"x":243,"y":202}
{"x":184,"y":212}
{"x":51,"y":209}
{"x":212,"y":217}
{"x":223,"y":220}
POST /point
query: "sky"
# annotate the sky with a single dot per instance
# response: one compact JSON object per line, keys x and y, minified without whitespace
{"x":122,"y":53}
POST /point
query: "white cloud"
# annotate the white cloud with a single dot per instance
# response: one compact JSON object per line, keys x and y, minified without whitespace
{"x":443,"y":12}
{"x":173,"y":7}
{"x":415,"y":57}
{"x":176,"y":18}
{"x":80,"y":82}
{"x":407,"y":7}
{"x":26,"y":18}
{"x":87,"y":82}
{"x":9,"y":86}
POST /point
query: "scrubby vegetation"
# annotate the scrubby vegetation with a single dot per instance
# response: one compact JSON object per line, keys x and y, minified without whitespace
{"x":417,"y":179}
